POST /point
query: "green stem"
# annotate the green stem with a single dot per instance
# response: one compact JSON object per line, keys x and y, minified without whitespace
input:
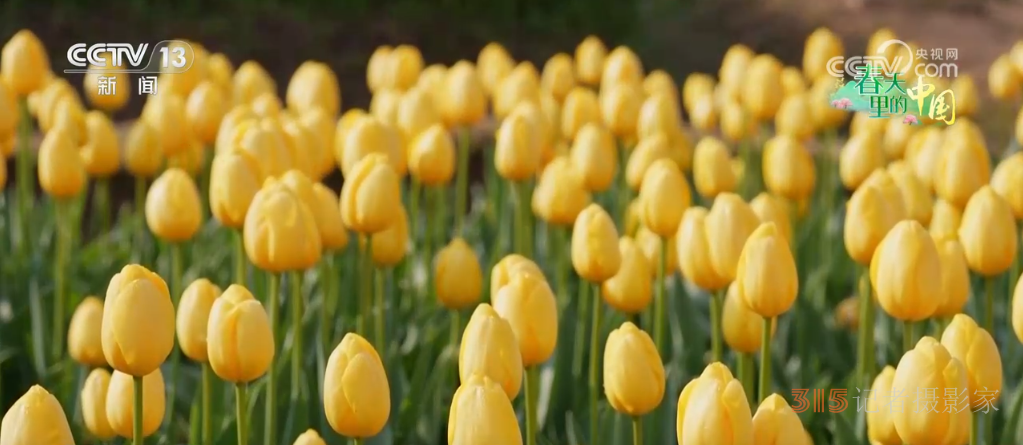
{"x":365,"y":293}
{"x":989,"y":427}
{"x":942,"y":325}
{"x":462,"y":180}
{"x":102,"y":200}
{"x":270,"y":417}
{"x":207,"y":415}
{"x":140,"y":222}
{"x":357,"y":441}
{"x":379,"y":309}
{"x":532,"y":427}
{"x":560,"y":248}
{"x":989,"y":304}
{"x":298,"y":346}
{"x":176,"y":272}
{"x":659,"y":315}
{"x":907,"y":336}
{"x":329,"y":306}
{"x":595,"y":363}
{"x":765,"y":360}
{"x":413,"y":214}
{"x":521,"y":207}
{"x":240,"y":404}
{"x":580,"y":328}
{"x":26,"y":176}
{"x":746,"y":372}
{"x":136,"y":429}
{"x":239,"y":258}
{"x":716,"y":300}
{"x":975,"y":428}
{"x":455,"y":330}
{"x":637,"y":431}
{"x":59,"y":275}
{"x":429,"y":238}
{"x":865,"y":328}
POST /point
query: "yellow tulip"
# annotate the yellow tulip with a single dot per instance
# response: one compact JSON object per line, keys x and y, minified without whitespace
{"x":205,"y":110}
{"x":650,"y":245}
{"x":60,"y":168}
{"x":173,"y":208}
{"x":431,"y":81}
{"x":945,"y":220}
{"x":321,"y":128}
{"x":619,"y":105}
{"x":880,"y":415}
{"x":896,"y":138}
{"x":464,"y":101}
{"x":309,"y":437}
{"x":494,"y":64}
{"x":376,"y":68}
{"x":314,"y":85}
{"x":118,"y":86}
{"x":965,"y":91}
{"x":823,"y":115}
{"x":1003,"y":79}
{"x":595,"y":253}
{"x":736,"y":123}
{"x":220,"y":71}
{"x":356,"y":394}
{"x":371,"y":195}
{"x":593,"y":154}
{"x":867,"y":221}
{"x":735,"y":64}
{"x":143,"y":157}
{"x":988,"y":233}
{"x":509,"y":266}
{"x":280,"y":232}
{"x":892,"y":194}
{"x":923,"y":150}
{"x":793,"y":118}
{"x":1017,"y":309}
{"x":633,"y":373}
{"x":93,"y":399}
{"x":663,"y":197}
{"x":906,"y":272}
{"x":659,"y":81}
{"x":558,"y":77}
{"x":517,"y":87}
{"x":384,"y":106}
{"x":100,"y":153}
{"x":138,"y":321}
{"x":696,"y":87}
{"x":590,"y":58}
{"x":527,"y":302}
{"x":516,"y":154}
{"x":489,"y":349}
{"x":630,"y":290}
{"x":24,"y":63}
{"x":775,"y":423}
{"x":560,"y":194}
{"x":712,"y":169}
{"x":84,"y":334}
{"x":417,"y":112}
{"x":955,"y":277}
{"x":974,"y":347}
{"x":788,"y":168}
{"x":729,"y":223}
{"x":930,"y":367}
{"x":713,"y":409}
{"x":580,"y":109}
{"x":229,"y":131}
{"x":234,"y":180}
{"x":1006,"y":180}
{"x":333,"y":234}
{"x":36,"y":418}
{"x":960,"y":172}
{"x":390,"y":245}
{"x":821,"y":46}
{"x":861,"y":155}
{"x":762,"y":93}
{"x":46,"y":101}
{"x":121,"y":407}
{"x":250,"y":81}
{"x":659,"y":114}
{"x":918,"y":201}
{"x":647,"y":151}
{"x":766,"y":272}
{"x":793,"y":83}
{"x":704,"y":114}
{"x":233,"y":316}
{"x":621,"y":66}
{"x":742,"y":328}
{"x":770,"y":208}
{"x":458,"y":276}
{"x":864,"y":122}
{"x":193,"y":317}
{"x":693,"y":250}
{"x":167,"y":116}
{"x":481,"y":413}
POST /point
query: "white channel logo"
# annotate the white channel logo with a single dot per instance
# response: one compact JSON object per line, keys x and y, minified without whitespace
{"x":855,"y":66}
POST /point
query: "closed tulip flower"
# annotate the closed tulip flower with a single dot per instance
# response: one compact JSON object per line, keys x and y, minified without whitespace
{"x":390,"y":245}
{"x":693,"y":250}
{"x":93,"y":400}
{"x":659,"y":114}
{"x":581,"y":108}
{"x":896,"y":138}
{"x":713,"y":409}
{"x":590,"y":58}
{"x":205,"y":109}
{"x":489,"y":349}
{"x":509,"y":266}
{"x":371,"y":195}
{"x":881,"y":421}
{"x":770,"y":208}
{"x":173,"y":207}
{"x":431,"y":80}
{"x":24,"y":63}
{"x":100,"y":153}
{"x":929,"y":366}
{"x":384,"y":106}
{"x":923,"y":150}
{"x":633,"y":373}
{"x":527,"y":302}
{"x":377,"y":66}
{"x":280,"y":232}
{"x":118,"y":89}
{"x":36,"y":418}
{"x":314,"y":85}
{"x":735,"y":64}
{"x":861,"y":155}
{"x":417,"y":112}
{"x":823,"y":115}
{"x":892,"y":194}
{"x":976,"y":349}
{"x":558,"y":77}
{"x":250,"y":81}
{"x":712,"y":169}
{"x":518,"y":87}
{"x":955,"y":277}
{"x":729,"y":223}
{"x":621,"y":66}
{"x":906,"y":272}
{"x":696,"y":87}
{"x":560,"y":195}
{"x":120,"y":403}
{"x":619,"y":105}
{"x":788,"y":169}
{"x":1017,"y":309}
{"x":193,"y":318}
{"x":775,"y":423}
{"x":988,"y":233}
{"x":965,"y":91}
{"x":663,"y":197}
{"x":766,"y":273}
{"x":1003,"y":79}
{"x":792,"y":82}
{"x":481,"y":413}
{"x":595,"y":253}
{"x":594,"y":156}
{"x":516,"y":154}
{"x":309,"y":437}
{"x":630,"y":290}
{"x":464,"y":100}
{"x":945,"y":220}
{"x":647,"y":151}
{"x":494,"y":64}
{"x":960,"y":172}
{"x":659,"y":81}
{"x":61,"y":171}
{"x":234,"y":180}
{"x":168,"y":117}
{"x":228,"y":131}
{"x":867,"y":222}
{"x":1006,"y":180}
{"x":762,"y":94}
{"x":742,"y":328}
{"x":821,"y":46}
{"x":233,"y":316}
{"x":333,"y":234}
{"x":143,"y":157}
{"x":356,"y":394}
{"x":736,"y":123}
{"x":458,"y":276}
{"x":918,"y":201}
{"x":138,"y":321}
{"x":84,"y":334}
{"x":704,"y":115}
{"x":220,"y":70}
{"x":793,"y":117}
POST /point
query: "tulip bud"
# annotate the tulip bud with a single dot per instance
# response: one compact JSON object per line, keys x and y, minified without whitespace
{"x":660,"y":82}
{"x":770,"y":208}
{"x":595,"y":253}
{"x":193,"y":317}
{"x":736,"y":123}
{"x":220,"y":71}
{"x":742,"y":328}
{"x":766,"y":273}
{"x":121,"y":405}
{"x":516,"y":154}
{"x":173,"y":208}
{"x":280,"y":232}
{"x":494,"y":64}
{"x":464,"y":101}
{"x":581,"y":108}
{"x":376,"y":68}
{"x":906,"y":272}
{"x":61,"y":172}
{"x":704,"y":114}
{"x":481,"y":413}
{"x":793,"y":118}
{"x":167,"y":116}
{"x":729,"y":223}
{"x":713,"y":408}
{"x":137,"y":307}
{"x":988,"y":233}
{"x":251,"y":81}
{"x":489,"y":349}
{"x":945,"y":220}
{"x":762,"y":94}
{"x":821,"y":46}
{"x":633,"y":373}
{"x":880,"y":416}
{"x":594,"y":156}
{"x":370,"y":196}
{"x":1006,"y":180}
{"x":560,"y":195}
{"x":513,"y":264}
{"x":458,"y":276}
{"x":955,"y":277}
{"x":100,"y":154}
{"x":356,"y":394}
{"x":735,"y":64}
{"x":205,"y":110}
{"x":309,"y":437}
{"x":867,"y":221}
{"x":823,"y":115}
{"x":659,"y":114}
{"x":333,"y":234}
{"x":527,"y":302}
{"x":384,"y":106}
{"x":896,"y":138}
{"x":234,"y":315}
{"x":696,"y":87}
{"x":1003,"y":79}
{"x":929,"y":367}
{"x":976,"y":349}
{"x":663,"y":197}
{"x":416,"y":112}
{"x":861,"y":155}
{"x":788,"y":169}
{"x":775,"y":423}
{"x":619,"y":105}
{"x":390,"y":245}
{"x":630,"y":290}
{"x":965,"y":92}
{"x":24,"y":63}
{"x":590,"y":58}
{"x":84,"y":334}
{"x":650,"y":245}
{"x":793,"y":83}
{"x":647,"y":151}
{"x":622,"y":66}
{"x":143,"y":157}
{"x":1017,"y":309}
{"x":93,"y":399}
{"x":693,"y":250}
{"x":960,"y":172}
{"x":923,"y":150}
{"x":519,"y":86}
{"x":36,"y":417}
{"x":234,"y":180}
{"x":117,"y":86}
{"x":712,"y":169}
{"x":314,"y":85}
{"x":917,"y":199}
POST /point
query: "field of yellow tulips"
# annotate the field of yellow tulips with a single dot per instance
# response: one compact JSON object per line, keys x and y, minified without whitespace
{"x":726,"y":260}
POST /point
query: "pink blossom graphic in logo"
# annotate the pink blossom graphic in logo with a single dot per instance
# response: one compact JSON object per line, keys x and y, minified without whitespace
{"x":910,"y":120}
{"x":842,"y":104}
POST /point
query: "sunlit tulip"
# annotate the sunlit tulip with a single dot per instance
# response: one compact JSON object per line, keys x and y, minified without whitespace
{"x":234,"y":180}
{"x":333,"y":234}
{"x":527,"y":302}
{"x":923,"y":150}
{"x":659,"y":114}
{"x":309,"y":437}
{"x":233,"y":316}
{"x":489,"y":348}
{"x":517,"y":87}
{"x":967,"y":97}
{"x":205,"y":110}
{"x":100,"y":153}
{"x":955,"y":277}
{"x":696,"y":87}
{"x":494,"y":63}
{"x":516,"y":154}
{"x":884,"y":182}
{"x":766,"y":273}
{"x":736,"y":123}
{"x":193,"y":314}
{"x":1007,"y":180}
{"x":906,"y":272}
{"x":595,"y":253}
{"x":762,"y":93}
{"x":867,"y":221}
{"x":371,"y":195}
{"x":770,"y":208}
{"x":918,"y":202}
{"x":143,"y":157}
{"x":988,"y":233}
{"x":1003,"y":79}
{"x":390,"y":245}
{"x":581,"y":108}
{"x":593,"y":154}
{"x":68,"y":116}
{"x":1017,"y":310}
{"x":84,"y":340}
{"x":735,"y":64}
{"x":376,"y":68}
{"x":24,"y":63}
{"x":929,"y":366}
{"x":116,"y":89}
{"x":633,"y":373}
{"x":622,"y":66}
{"x":660,"y":82}
{"x":880,"y":416}
{"x":120,"y":406}
{"x":896,"y":137}
{"x":793,"y":118}
{"x":821,"y":46}
{"x":431,"y":81}
{"x":729,"y":223}
{"x":788,"y":168}
{"x":314,"y":85}
{"x":560,"y":194}
{"x":646,"y":152}
{"x":712,"y":170}
{"x":94,"y":404}
{"x":704,"y":115}
{"x":384,"y":106}
{"x":861,"y":155}
{"x":458,"y":275}
{"x":36,"y":418}
{"x":590,"y":58}
{"x":416,"y":112}
{"x":775,"y":423}
{"x":630,"y":290}
{"x":960,"y":172}
{"x":693,"y":250}
{"x":173,"y":207}
{"x":976,"y":349}
{"x":280,"y":232}
{"x":663,"y":197}
{"x":945,"y":220}
{"x":138,"y":321}
{"x":167,"y":116}
{"x":61,"y":171}
{"x":482,"y":413}
{"x":250,"y":81}
{"x":356,"y":394}
{"x":619,"y":105}
{"x":713,"y":409}
{"x":464,"y":100}
{"x":742,"y":328}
